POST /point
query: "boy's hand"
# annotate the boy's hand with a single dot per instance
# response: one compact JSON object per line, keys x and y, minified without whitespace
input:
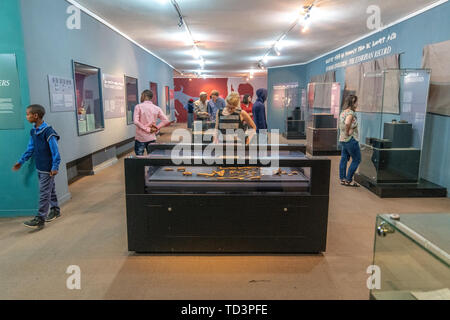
{"x":53,"y":173}
{"x":17,"y":167}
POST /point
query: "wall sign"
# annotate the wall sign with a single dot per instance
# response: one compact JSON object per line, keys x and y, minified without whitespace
{"x":370,"y":50}
{"x":62,"y":94}
{"x":10,"y":99}
{"x":113,"y":96}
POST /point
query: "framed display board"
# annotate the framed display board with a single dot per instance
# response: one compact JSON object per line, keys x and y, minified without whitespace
{"x":113,"y":96}
{"x":154,"y":88}
{"x":62,"y":94}
{"x":132,"y":97}
{"x":10,"y":99}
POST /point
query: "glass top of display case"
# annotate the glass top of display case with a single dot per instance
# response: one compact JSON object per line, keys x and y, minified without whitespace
{"x":285,"y":154}
{"x":430,"y":230}
{"x":412,"y":252}
{"x":225,"y":179}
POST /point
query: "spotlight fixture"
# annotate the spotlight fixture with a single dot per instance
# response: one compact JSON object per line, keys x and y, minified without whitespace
{"x":277,"y":51}
{"x":277,"y":47}
{"x":261,"y":65}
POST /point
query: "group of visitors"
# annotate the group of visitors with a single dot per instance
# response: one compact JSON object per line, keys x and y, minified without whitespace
{"x":208,"y":110}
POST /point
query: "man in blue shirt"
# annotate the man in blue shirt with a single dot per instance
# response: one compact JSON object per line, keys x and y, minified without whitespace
{"x":43,"y":146}
{"x":215,"y":104}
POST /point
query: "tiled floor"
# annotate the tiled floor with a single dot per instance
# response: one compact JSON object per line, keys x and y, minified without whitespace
{"x":92,"y":235}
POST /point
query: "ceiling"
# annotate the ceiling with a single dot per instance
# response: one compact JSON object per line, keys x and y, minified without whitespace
{"x":233,"y":35}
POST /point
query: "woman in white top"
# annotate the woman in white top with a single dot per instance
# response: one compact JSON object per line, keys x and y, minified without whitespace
{"x":348,"y":137}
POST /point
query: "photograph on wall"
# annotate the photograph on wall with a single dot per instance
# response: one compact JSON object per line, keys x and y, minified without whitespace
{"x":132,"y":95}
{"x":10,"y":99}
{"x":167,"y":99}
{"x":113,"y":96}
{"x":62,"y":96}
{"x":436,"y":58}
{"x":154,"y":89}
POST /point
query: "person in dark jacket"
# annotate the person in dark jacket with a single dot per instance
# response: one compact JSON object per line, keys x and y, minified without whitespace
{"x":259,"y":110}
{"x":190,"y":110}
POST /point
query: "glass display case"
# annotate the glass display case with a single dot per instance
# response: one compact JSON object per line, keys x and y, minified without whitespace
{"x":412,"y":252}
{"x":392,"y":113}
{"x":90,"y":117}
{"x":392,"y":131}
{"x":322,"y":118}
{"x":294,"y":111}
{"x":276,"y":202}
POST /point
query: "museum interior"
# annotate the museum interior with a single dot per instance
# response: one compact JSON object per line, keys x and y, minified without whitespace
{"x":224,"y":150}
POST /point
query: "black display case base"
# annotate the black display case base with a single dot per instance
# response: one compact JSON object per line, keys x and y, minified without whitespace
{"x":294,"y":136}
{"x":320,"y":153}
{"x":423,"y":189}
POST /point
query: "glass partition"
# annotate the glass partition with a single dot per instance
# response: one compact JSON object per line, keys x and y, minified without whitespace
{"x":322,"y":117}
{"x":90,"y":116}
{"x":131,"y":87}
{"x":392,"y":125}
{"x":290,"y":99}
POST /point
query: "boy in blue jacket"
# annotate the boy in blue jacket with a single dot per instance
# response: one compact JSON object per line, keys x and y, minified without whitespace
{"x":44,"y":146}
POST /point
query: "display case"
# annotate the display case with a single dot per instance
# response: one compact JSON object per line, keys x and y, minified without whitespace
{"x":412,"y":252}
{"x":392,"y":131}
{"x":294,"y":111}
{"x":322,"y":118}
{"x":227,"y":204}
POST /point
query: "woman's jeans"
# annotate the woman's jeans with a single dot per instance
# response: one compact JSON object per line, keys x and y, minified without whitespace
{"x":349,"y":149}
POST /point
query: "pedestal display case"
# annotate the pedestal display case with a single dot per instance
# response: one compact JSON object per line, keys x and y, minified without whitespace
{"x":412,"y":253}
{"x":239,"y":205}
{"x":391,"y":134}
{"x":322,"y":118}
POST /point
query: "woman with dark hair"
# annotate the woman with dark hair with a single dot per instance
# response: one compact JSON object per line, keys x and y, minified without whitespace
{"x":247,"y":105}
{"x":348,"y":137}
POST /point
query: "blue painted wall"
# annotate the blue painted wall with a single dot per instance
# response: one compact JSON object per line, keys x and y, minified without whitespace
{"x":18,"y":190}
{"x":413,"y":34}
{"x":51,"y":47}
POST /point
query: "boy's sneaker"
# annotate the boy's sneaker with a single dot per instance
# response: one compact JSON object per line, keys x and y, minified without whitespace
{"x":54,"y":214}
{"x":36,"y":223}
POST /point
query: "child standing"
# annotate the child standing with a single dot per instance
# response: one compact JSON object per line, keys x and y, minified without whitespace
{"x":44,"y":146}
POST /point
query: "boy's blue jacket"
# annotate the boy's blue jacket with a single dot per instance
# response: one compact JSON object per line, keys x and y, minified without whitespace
{"x":43,"y":145}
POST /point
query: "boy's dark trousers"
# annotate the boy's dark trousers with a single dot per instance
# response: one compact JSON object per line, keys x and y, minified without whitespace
{"x":47,"y":192}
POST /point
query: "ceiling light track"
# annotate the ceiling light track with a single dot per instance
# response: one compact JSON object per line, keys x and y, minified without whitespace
{"x":195,"y":50}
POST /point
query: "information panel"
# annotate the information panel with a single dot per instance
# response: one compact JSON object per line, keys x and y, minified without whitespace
{"x":10,"y":100}
{"x":62,"y":94}
{"x":114,"y":96}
